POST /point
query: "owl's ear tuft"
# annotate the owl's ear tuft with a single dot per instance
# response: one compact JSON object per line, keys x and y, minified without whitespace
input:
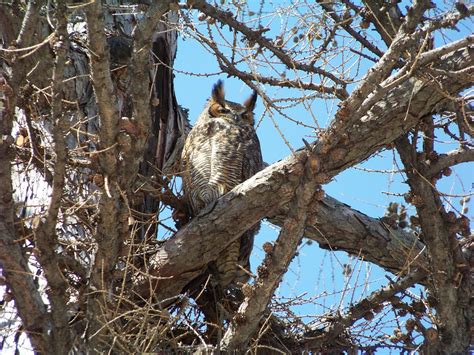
{"x":218,"y":94}
{"x":251,"y":101}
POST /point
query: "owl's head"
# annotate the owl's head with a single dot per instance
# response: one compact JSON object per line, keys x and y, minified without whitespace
{"x":220,"y":107}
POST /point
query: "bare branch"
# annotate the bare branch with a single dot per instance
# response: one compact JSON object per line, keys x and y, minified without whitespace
{"x":258,"y":37}
{"x":450,"y":159}
{"x":229,"y":68}
{"x":113,"y":227}
{"x":178,"y":261}
{"x":450,"y":19}
{"x":336,"y":226}
{"x":28,"y":302}
{"x":347,"y":26}
{"x":437,"y":53}
{"x":25,"y":38}
{"x":315,"y":340}
{"x":387,"y":62}
{"x":386,"y":18}
{"x":140,"y":61}
{"x":103,"y":85}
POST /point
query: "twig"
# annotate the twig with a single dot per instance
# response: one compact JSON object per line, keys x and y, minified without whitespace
{"x":314,"y":339}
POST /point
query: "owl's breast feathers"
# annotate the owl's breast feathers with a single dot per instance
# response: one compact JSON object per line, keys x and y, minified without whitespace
{"x":218,"y":155}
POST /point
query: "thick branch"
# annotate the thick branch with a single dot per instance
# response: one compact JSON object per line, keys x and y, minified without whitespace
{"x":386,"y":17}
{"x":450,"y":159}
{"x":139,"y":75}
{"x":444,"y":251}
{"x":336,"y":226}
{"x":389,"y":60}
{"x":103,"y":85}
{"x":25,"y":38}
{"x":112,"y":227}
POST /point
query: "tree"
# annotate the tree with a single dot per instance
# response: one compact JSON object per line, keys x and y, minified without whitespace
{"x":91,"y":138}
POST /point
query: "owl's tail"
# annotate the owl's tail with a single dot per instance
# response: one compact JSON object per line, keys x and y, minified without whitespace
{"x":233,"y":264}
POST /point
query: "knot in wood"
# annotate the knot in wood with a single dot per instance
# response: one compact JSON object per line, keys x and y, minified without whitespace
{"x":124,"y":142}
{"x":368,"y":316}
{"x":267,"y":247}
{"x":319,"y":194}
{"x":239,"y":318}
{"x":248,"y":290}
{"x":410,"y":325}
{"x":431,"y":335}
{"x":98,"y":180}
{"x":417,"y":201}
{"x":262,"y":272}
{"x":337,"y":154}
{"x":321,"y":178}
{"x":314,"y":163}
{"x":447,"y":172}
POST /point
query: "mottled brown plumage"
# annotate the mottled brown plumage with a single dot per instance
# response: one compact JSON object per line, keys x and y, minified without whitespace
{"x":220,"y":152}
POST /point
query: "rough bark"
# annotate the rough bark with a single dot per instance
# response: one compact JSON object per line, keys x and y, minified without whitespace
{"x":337,"y":226}
{"x":14,"y":262}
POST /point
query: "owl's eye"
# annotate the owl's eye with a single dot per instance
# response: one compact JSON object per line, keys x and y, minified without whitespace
{"x":223,"y":110}
{"x":217,"y":110}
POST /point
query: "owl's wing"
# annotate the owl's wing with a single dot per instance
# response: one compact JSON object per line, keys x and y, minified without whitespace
{"x":252,"y":162}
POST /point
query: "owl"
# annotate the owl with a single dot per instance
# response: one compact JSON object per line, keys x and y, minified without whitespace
{"x":221,"y":151}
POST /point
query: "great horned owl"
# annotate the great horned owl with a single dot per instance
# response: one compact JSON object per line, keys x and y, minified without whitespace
{"x":220,"y":152}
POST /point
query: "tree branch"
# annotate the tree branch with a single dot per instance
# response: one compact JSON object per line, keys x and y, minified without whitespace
{"x":103,"y":86}
{"x":14,"y":264}
{"x":379,"y":72}
{"x":112,"y":226}
{"x":445,"y":255}
{"x":336,"y":226}
{"x":228,"y":67}
{"x":45,"y":233}
{"x":347,"y":26}
{"x":386,"y":18}
{"x":449,"y":159}
{"x":139,"y":74}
